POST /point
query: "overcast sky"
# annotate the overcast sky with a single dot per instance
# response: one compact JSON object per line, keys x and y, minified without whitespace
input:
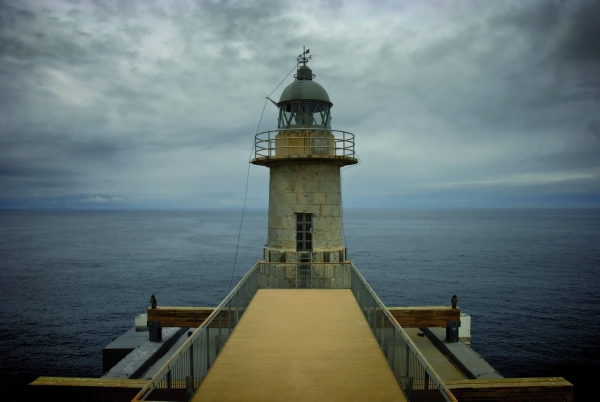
{"x":154,"y":104}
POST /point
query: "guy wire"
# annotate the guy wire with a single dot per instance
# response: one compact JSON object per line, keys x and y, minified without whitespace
{"x":248,"y":179}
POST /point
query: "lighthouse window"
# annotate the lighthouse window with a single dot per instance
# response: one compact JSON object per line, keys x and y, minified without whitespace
{"x":304,"y":231}
{"x":304,"y":114}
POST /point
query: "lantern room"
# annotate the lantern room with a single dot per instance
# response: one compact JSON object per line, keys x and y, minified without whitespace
{"x":304,"y":103}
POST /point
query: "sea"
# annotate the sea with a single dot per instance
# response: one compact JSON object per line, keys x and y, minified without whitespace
{"x":73,"y":281}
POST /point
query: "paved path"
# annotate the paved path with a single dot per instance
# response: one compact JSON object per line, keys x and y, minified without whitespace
{"x":301,"y":345}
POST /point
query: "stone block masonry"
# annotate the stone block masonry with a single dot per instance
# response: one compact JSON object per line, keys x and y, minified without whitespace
{"x":312,"y":188}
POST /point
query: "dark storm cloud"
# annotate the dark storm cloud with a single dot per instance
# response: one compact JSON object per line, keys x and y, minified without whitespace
{"x":32,"y":161}
{"x":24,"y":169}
{"x":561,"y":35}
{"x":515,"y":74}
{"x":581,"y":42}
{"x":42,"y":37}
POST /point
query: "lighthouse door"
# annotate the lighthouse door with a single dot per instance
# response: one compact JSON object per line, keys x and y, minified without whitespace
{"x":304,"y":232}
{"x":304,"y":250}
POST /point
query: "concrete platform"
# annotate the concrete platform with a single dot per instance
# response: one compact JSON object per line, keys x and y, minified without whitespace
{"x":440,"y":363}
{"x":469,"y":362}
{"x":299,"y":345}
{"x":116,"y":351}
{"x":141,"y":358}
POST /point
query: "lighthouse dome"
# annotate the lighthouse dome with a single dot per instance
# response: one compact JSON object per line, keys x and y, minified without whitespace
{"x":304,"y":88}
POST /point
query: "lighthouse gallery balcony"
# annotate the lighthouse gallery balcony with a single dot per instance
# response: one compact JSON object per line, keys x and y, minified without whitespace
{"x":317,"y":145}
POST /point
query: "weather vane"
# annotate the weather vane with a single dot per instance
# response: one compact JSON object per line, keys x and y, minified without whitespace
{"x":302,"y":58}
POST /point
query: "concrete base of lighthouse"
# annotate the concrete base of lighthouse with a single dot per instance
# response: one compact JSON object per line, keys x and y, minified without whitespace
{"x":292,"y":256}
{"x":273,"y":275}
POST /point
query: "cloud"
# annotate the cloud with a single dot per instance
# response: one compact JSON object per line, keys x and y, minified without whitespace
{"x":158,"y":102}
{"x":95,"y":200}
{"x":594,"y":128}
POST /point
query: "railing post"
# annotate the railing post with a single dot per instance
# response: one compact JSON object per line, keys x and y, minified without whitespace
{"x":245,"y":297}
{"x":237,"y":308}
{"x":207,"y":350}
{"x":169,"y":385}
{"x":189,"y":379}
{"x":242,"y":306}
{"x":217,"y":346}
{"x":189,"y":387}
{"x":383,"y":330}
{"x":220,"y":314}
{"x":254,"y":283}
{"x":407,"y":372}
{"x":374,"y":317}
{"x":229,"y":317}
{"x":426,"y":386}
{"x":393,"y":348}
{"x":192,"y":363}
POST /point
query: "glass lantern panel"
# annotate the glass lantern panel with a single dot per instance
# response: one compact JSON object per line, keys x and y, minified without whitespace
{"x":304,"y":114}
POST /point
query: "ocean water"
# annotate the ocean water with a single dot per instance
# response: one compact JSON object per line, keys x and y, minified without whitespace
{"x":73,"y":281}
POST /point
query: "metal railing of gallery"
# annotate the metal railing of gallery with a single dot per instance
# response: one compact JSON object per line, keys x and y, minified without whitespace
{"x":315,"y":142}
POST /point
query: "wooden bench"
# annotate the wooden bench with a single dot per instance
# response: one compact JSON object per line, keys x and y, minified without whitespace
{"x":550,"y":389}
{"x":425,"y":316}
{"x":407,"y":317}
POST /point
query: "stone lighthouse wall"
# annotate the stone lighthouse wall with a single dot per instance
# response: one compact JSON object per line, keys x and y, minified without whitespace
{"x":305,"y":188}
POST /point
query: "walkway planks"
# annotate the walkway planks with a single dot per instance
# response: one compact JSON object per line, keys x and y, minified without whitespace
{"x":299,"y":345}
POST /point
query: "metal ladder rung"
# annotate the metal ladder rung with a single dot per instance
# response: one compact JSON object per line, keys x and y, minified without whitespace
{"x":301,"y":278}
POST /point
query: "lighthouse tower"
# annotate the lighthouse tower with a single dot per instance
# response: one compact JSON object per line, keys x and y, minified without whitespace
{"x":304,"y":156}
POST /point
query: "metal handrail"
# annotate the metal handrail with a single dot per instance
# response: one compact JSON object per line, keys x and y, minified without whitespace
{"x":266,"y":143}
{"x":430,"y":372}
{"x":186,"y":369}
{"x":186,"y":349}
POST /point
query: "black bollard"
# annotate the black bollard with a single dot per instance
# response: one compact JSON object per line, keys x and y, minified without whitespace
{"x":452,"y":331}
{"x":155,"y":331}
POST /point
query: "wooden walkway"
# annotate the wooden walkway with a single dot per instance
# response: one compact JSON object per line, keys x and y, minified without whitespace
{"x":299,"y":345}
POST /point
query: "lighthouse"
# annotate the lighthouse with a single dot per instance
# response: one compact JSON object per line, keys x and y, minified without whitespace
{"x":305,"y":156}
